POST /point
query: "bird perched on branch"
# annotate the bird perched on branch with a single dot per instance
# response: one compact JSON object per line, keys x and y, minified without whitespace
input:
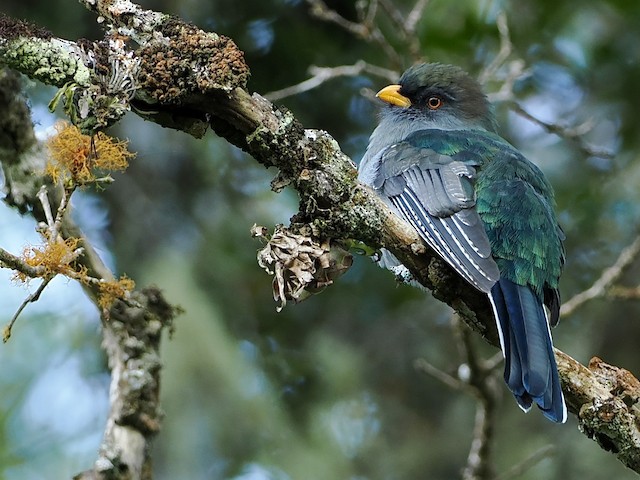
{"x":437,"y":161}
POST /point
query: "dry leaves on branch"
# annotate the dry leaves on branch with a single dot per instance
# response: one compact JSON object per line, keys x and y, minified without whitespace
{"x":301,"y":266}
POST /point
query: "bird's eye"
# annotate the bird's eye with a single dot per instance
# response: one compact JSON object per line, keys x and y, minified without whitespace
{"x":434,"y":103}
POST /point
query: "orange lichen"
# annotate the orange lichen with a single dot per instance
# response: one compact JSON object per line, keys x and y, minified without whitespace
{"x":52,"y":258}
{"x":59,"y":257}
{"x":78,"y":158}
{"x":110,"y":291}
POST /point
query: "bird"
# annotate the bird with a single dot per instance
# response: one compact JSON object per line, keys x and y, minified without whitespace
{"x":437,"y":160}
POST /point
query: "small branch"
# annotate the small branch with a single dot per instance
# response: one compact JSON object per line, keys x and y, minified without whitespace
{"x":624,"y":293}
{"x":46,"y":208}
{"x":6,"y":332}
{"x":427,"y":368}
{"x":605,"y":281}
{"x":536,"y":457}
{"x":324,"y":74}
{"x":366,"y":29}
{"x":479,"y":458}
{"x":478,"y":466}
{"x":506,"y":47}
{"x":515,"y":71}
{"x":396,"y":17}
{"x":62,"y":209}
{"x":572,"y":134}
{"x":492,"y":364}
{"x":367,"y":15}
{"x":406,"y":27}
{"x":476,"y":381}
{"x":54,"y":223}
{"x":8,"y":260}
{"x":414,"y":16}
{"x":320,"y":10}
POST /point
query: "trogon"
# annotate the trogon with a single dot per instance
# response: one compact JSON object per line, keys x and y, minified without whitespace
{"x":436,"y":159}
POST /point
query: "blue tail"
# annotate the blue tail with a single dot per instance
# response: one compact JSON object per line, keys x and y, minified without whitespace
{"x":530,"y":367}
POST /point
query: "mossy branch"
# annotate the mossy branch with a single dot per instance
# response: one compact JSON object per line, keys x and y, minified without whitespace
{"x":132,"y":328}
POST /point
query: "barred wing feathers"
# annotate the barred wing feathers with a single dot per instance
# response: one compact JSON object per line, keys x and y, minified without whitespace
{"x":435,"y":194}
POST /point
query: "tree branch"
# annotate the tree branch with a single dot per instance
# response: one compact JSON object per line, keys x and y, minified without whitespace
{"x":8,"y":260}
{"x":605,"y":281}
{"x":517,"y":470}
{"x":320,"y":75}
{"x":131,"y":330}
{"x":487,"y":395}
{"x":606,"y":400}
{"x":572,"y":134}
{"x":366,"y":29}
{"x":211,"y":90}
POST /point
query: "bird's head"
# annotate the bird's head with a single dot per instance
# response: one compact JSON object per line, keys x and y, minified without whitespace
{"x":439,"y":96}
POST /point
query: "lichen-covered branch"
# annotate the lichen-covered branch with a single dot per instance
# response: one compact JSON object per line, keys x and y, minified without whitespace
{"x":189,"y":79}
{"x":8,"y":260}
{"x":606,"y":401}
{"x":131,"y":339}
{"x":28,"y":48}
{"x":132,"y":328}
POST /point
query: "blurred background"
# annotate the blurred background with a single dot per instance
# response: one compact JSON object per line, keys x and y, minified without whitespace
{"x":325,"y":389}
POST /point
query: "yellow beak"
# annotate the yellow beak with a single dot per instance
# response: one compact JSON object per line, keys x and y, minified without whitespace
{"x":391,"y":94}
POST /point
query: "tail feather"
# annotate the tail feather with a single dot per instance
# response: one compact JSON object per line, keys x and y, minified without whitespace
{"x":530,"y":366}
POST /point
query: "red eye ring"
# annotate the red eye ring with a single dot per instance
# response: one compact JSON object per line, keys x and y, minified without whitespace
{"x":434,"y":103}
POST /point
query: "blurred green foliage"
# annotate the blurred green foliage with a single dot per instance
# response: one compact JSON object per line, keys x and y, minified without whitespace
{"x":327,"y":389}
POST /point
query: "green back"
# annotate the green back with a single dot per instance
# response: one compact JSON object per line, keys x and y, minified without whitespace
{"x":515,"y":202}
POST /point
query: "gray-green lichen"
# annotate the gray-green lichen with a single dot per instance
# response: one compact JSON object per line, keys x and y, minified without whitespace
{"x":53,"y":61}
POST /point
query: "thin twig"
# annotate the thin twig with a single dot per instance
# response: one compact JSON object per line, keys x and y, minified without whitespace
{"x":424,"y":366}
{"x":321,"y":75}
{"x":517,"y":470}
{"x":568,"y":133}
{"x":479,"y":458}
{"x":367,"y":18}
{"x":6,"y":332}
{"x":406,"y":26}
{"x":492,"y":364}
{"x":415,"y":15}
{"x":46,"y":206}
{"x":320,"y":10}
{"x":478,"y":383}
{"x":396,"y":17}
{"x":516,"y":70}
{"x":378,"y":37}
{"x":506,"y":47}
{"x":478,"y":462}
{"x":606,"y":279}
{"x":410,"y":26}
{"x":62,"y":208}
{"x":366,"y":29}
